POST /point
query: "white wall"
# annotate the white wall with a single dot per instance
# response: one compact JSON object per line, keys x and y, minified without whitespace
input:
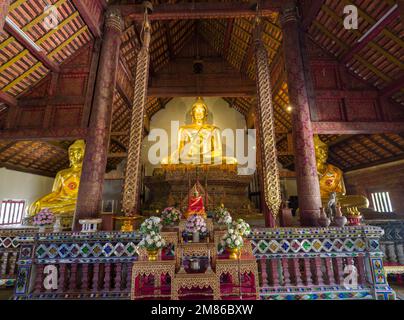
{"x":178,"y":109}
{"x":23,"y":186}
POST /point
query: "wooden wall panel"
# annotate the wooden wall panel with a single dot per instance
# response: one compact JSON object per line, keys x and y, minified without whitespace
{"x":72,"y":84}
{"x":66,"y":116}
{"x":362,"y":110}
{"x":31,"y":117}
{"x":330,"y":110}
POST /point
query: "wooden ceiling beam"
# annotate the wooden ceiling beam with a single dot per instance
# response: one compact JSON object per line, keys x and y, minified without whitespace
{"x":88,"y":17}
{"x":30,"y":45}
{"x":357,"y":127}
{"x":200,"y":10}
{"x":43,"y":134}
{"x":392,"y":142}
{"x":119,"y":143}
{"x":227,"y":37}
{"x":381,"y":146}
{"x":394,"y":87}
{"x":27,"y":170}
{"x":4,"y":8}
{"x":8,"y":99}
{"x":310,"y":13}
{"x":249,"y":55}
{"x":7,"y":146}
{"x":375,"y":163}
{"x":168,"y":39}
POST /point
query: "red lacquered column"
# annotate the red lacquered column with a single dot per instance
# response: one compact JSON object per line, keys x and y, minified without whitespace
{"x":305,"y":159}
{"x":95,"y":160}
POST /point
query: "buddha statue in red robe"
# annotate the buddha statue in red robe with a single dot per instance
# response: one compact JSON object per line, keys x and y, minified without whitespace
{"x":195,"y":205}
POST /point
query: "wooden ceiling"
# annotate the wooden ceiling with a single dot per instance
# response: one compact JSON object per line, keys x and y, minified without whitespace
{"x":378,"y":62}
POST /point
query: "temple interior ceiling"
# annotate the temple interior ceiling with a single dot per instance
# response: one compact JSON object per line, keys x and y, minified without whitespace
{"x":378,"y":64}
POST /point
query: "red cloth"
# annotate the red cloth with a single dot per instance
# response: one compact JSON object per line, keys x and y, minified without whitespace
{"x":195,"y":204}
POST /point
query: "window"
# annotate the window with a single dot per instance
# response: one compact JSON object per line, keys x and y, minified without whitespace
{"x":11,"y":212}
{"x":381,"y":202}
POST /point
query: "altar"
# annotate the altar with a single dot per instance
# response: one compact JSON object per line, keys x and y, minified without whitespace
{"x":216,"y":276}
{"x":169,"y":187}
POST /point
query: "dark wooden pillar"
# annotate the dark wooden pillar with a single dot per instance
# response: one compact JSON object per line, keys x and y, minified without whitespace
{"x":4,"y":7}
{"x":95,"y":160}
{"x":305,"y":160}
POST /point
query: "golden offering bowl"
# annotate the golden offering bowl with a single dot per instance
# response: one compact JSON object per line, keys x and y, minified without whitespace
{"x":127,"y":222}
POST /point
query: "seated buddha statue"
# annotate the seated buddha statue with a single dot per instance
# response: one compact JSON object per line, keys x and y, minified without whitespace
{"x":195,"y":205}
{"x":199,"y":142}
{"x":331,"y":180}
{"x":62,"y":199}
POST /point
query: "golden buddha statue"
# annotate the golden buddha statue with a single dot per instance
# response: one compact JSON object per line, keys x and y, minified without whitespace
{"x":331,"y":180}
{"x":199,"y":142}
{"x":62,"y":199}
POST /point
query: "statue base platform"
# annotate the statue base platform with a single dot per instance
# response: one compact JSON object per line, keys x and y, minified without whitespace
{"x":170,"y":187}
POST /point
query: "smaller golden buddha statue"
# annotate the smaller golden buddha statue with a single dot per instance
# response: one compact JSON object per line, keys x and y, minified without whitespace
{"x":63,"y":198}
{"x":195,"y":205}
{"x":199,"y":142}
{"x":331,"y":180}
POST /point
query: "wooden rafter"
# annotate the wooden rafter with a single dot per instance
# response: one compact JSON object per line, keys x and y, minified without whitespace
{"x":227,"y":37}
{"x":392,"y":142}
{"x":44,"y":134}
{"x":85,"y":13}
{"x":8,"y":99}
{"x":357,"y":127}
{"x":34,"y":49}
{"x":311,"y":13}
{"x":381,"y":146}
{"x":370,"y":36}
{"x":201,"y":10}
{"x":45,"y":173}
{"x":394,"y":87}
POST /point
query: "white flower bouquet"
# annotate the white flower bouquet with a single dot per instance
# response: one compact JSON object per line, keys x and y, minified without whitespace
{"x":44,"y":218}
{"x":152,"y":224}
{"x":170,"y":215}
{"x":152,"y":241}
{"x":220,"y":213}
{"x":241,"y":227}
{"x":195,"y":223}
{"x":232,"y":240}
{"x":225,"y":219}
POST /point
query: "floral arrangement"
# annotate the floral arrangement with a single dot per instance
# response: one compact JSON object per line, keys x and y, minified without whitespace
{"x":170,"y":215}
{"x":241,"y":228}
{"x":232,"y":239}
{"x":45,"y":217}
{"x":152,"y":224}
{"x":220,"y":213}
{"x":195,"y":223}
{"x":225,"y":219}
{"x":152,"y":241}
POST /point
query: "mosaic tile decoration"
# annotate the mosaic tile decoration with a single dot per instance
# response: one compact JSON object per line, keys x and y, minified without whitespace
{"x":316,"y":240}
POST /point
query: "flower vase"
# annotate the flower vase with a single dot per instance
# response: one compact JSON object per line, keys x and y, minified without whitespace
{"x":195,"y":236}
{"x":152,"y":254}
{"x":234,"y":253}
{"x":42,"y":229}
{"x":57,"y":226}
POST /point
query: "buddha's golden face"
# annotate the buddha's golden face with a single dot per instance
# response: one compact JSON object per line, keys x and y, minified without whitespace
{"x":199,"y":113}
{"x":76,"y":155}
